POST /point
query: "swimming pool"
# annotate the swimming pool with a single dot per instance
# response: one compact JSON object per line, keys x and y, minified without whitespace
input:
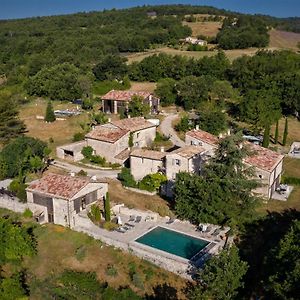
{"x":172,"y":242}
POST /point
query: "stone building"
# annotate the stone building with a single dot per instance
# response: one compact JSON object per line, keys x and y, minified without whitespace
{"x":115,"y":101}
{"x":267,"y":164}
{"x":144,"y":162}
{"x":111,"y":140}
{"x":58,"y":198}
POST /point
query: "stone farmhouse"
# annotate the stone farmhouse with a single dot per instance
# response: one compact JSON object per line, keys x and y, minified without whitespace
{"x":267,"y":164}
{"x":111,"y":140}
{"x":115,"y":101}
{"x":58,"y":198}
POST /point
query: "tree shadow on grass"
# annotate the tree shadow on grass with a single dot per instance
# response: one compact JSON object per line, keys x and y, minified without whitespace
{"x":163,"y":292}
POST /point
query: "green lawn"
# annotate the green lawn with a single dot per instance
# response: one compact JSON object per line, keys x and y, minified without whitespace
{"x":291,"y":167}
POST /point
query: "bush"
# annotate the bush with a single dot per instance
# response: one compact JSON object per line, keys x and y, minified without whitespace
{"x":183,"y":125}
{"x":126,"y":178}
{"x":87,"y":152}
{"x":160,"y":138}
{"x":87,"y":104}
{"x":148,"y":273}
{"x":79,"y":136}
{"x":82,"y":173}
{"x":95,"y":214}
{"x":99,"y":160}
{"x":80,"y":253}
{"x":131,"y":269}
{"x":137,"y":281}
{"x":27,"y":213}
{"x":109,"y":226}
{"x":111,"y":271}
{"x":19,"y":189}
{"x":152,"y":182}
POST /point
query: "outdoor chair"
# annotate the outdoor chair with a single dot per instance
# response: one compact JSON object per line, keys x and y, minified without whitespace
{"x":121,"y":230}
{"x":131,"y":219}
{"x":138,"y":219}
{"x":129,"y":225}
{"x":170,"y":221}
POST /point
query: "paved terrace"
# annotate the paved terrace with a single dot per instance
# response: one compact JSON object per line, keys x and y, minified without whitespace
{"x":170,"y":262}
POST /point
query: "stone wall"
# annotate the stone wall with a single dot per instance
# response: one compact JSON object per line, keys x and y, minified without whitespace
{"x":13,"y":204}
{"x":140,"y":167}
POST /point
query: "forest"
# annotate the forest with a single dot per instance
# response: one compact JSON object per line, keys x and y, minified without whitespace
{"x":60,"y":58}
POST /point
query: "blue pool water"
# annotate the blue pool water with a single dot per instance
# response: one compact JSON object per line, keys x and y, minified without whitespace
{"x":172,"y":242}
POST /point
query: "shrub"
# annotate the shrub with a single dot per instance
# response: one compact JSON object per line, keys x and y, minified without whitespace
{"x":131,"y":269}
{"x":109,"y":226}
{"x":87,"y":152}
{"x":111,"y":271}
{"x":82,"y":173}
{"x":152,"y":182}
{"x":95,"y":214}
{"x":80,"y":253}
{"x":99,"y":160}
{"x":126,"y":178}
{"x":19,"y":189}
{"x":79,"y":136}
{"x":27,"y":213}
{"x":107,"y":207}
{"x":148,"y":273}
{"x":87,"y":104}
{"x":137,"y":281}
{"x":183,"y":125}
{"x":160,"y":137}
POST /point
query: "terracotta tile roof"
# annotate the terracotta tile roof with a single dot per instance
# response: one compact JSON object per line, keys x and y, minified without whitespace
{"x":133,"y":124}
{"x":203,"y":136}
{"x":150,"y":154}
{"x":263,"y":158}
{"x":189,"y":151}
{"x":107,"y":134}
{"x":124,"y":95}
{"x":123,"y":155}
{"x":60,"y":186}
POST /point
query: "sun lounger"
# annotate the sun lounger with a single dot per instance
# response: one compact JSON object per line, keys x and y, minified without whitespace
{"x":138,"y":219}
{"x":121,"y":230}
{"x":216,"y":232}
{"x":129,"y":225}
{"x":131,"y":219}
{"x":170,"y":221}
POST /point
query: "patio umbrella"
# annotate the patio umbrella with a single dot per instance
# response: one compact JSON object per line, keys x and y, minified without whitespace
{"x":120,"y":221}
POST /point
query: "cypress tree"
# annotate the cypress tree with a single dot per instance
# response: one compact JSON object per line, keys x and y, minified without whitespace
{"x":276,"y":133}
{"x":50,"y":116}
{"x":107,"y":208}
{"x":266,"y":140}
{"x":285,"y":133}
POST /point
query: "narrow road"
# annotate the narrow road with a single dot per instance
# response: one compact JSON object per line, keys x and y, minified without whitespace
{"x":91,"y":172}
{"x":167,"y":130}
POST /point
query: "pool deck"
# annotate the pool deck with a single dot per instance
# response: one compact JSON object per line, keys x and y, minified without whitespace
{"x":170,"y":262}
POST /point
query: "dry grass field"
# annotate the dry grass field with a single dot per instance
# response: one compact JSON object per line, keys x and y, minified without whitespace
{"x":60,"y":131}
{"x":204,"y":28}
{"x":284,"y":39}
{"x":143,"y":86}
{"x":136,"y":200}
{"x":231,"y":54}
{"x":58,"y":250}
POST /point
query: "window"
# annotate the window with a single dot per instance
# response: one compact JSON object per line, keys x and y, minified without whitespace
{"x":177,"y":162}
{"x":260,"y":176}
{"x":83,"y":203}
{"x":137,"y":135}
{"x":50,"y":218}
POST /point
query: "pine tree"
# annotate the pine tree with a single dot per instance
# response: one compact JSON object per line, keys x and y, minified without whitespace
{"x":276,"y":132}
{"x":107,"y":208}
{"x":285,"y":133}
{"x":10,"y":124}
{"x":266,"y":139}
{"x":50,"y":116}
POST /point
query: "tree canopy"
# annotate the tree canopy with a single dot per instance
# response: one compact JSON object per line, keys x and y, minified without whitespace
{"x":223,"y":193}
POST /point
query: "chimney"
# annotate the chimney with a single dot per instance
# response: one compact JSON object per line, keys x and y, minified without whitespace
{"x":128,"y":116}
{"x":72,"y":174}
{"x":109,"y":120}
{"x":94,"y":178}
{"x":197,"y":127}
{"x":162,"y":149}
